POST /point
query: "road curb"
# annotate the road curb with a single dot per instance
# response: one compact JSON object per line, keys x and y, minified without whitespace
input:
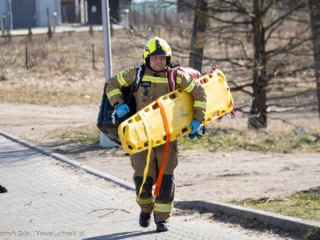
{"x":210,"y":206}
{"x":243,"y":212}
{"x":62,"y":158}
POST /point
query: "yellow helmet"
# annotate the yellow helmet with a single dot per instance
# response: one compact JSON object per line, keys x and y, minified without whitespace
{"x":156,"y":46}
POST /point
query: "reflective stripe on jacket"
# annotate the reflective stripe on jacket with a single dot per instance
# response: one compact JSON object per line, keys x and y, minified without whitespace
{"x":153,"y":86}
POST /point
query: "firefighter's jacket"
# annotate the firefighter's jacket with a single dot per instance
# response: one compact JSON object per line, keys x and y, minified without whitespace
{"x":153,"y":86}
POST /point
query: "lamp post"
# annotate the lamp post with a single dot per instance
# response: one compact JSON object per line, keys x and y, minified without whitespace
{"x":11,"y":24}
{"x":104,"y":141}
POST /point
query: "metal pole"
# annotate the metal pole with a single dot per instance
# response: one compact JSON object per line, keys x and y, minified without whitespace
{"x":106,"y":39}
{"x":160,"y":18}
{"x":53,"y":21}
{"x":104,"y":141}
{"x":134,"y":14}
{"x":26,"y":57}
{"x":144,"y":16}
{"x":11,"y":23}
{"x":85,"y":11}
{"x":154,"y":17}
{"x":48,"y":15}
{"x":93,"y":56}
{"x":3,"y":26}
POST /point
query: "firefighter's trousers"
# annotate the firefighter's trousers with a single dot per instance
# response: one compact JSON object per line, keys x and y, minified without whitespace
{"x":162,"y":204}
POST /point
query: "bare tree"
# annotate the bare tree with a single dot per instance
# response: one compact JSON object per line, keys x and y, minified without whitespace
{"x":263,"y":46}
{"x":280,"y":37}
{"x":198,"y":36}
{"x":315,"y":25}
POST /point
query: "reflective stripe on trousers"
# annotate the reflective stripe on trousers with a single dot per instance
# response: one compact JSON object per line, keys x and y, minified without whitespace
{"x":163,"y":207}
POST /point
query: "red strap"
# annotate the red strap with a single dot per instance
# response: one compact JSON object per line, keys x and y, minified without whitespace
{"x":172,"y":73}
{"x":165,"y":155}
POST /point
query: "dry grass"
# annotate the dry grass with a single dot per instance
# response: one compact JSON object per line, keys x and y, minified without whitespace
{"x":64,"y":64}
{"x":60,"y":70}
{"x":272,"y":140}
{"x":51,"y":98}
{"x":88,"y":134}
{"x":305,"y":206}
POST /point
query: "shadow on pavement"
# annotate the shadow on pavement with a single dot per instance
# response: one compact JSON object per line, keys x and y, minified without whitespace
{"x":70,"y":147}
{"x":9,"y":157}
{"x":122,"y":235}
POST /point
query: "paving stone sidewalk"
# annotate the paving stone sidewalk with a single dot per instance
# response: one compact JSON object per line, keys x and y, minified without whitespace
{"x":48,"y":199}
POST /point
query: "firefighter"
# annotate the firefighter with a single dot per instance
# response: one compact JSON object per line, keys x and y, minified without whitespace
{"x":157,"y":56}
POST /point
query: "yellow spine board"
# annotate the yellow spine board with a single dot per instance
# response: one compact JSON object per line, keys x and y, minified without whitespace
{"x":179,"y":110}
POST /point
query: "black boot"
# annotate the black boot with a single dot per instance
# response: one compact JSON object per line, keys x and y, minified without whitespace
{"x":162,"y":226}
{"x":145,"y":219}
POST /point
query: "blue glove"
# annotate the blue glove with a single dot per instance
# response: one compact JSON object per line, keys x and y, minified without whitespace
{"x":192,"y":136}
{"x":122,"y":110}
{"x":195,"y":126}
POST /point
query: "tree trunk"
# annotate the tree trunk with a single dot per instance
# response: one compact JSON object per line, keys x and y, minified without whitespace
{"x":315,"y":26}
{"x":258,"y":117}
{"x":198,"y":36}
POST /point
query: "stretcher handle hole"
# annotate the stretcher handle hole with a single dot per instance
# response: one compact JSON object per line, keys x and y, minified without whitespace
{"x":173,"y":96}
{"x":129,"y":146}
{"x":147,"y":110}
{"x":184,"y":130}
{"x":137,"y":118}
{"x":165,"y":97}
{"x":204,"y":80}
{"x":165,"y":138}
{"x":126,"y":131}
{"x":146,"y":144}
{"x":155,"y":106}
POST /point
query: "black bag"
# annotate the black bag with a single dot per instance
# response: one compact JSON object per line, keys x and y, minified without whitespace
{"x":108,"y":120}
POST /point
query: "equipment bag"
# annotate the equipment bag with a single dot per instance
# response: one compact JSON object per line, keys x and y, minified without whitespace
{"x":172,"y":75}
{"x":108,"y":120}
